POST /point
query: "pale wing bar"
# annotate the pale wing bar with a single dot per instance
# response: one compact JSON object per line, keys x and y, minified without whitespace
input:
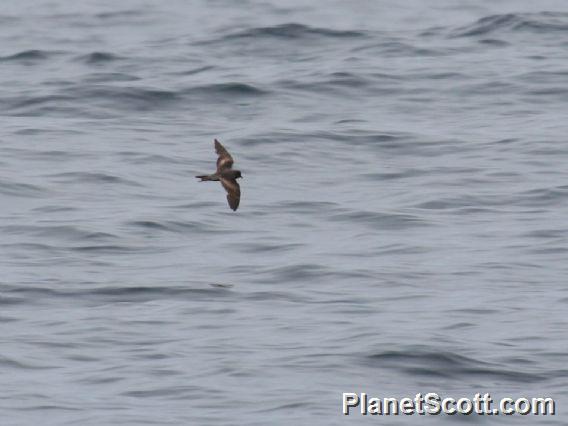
{"x":224,"y":161}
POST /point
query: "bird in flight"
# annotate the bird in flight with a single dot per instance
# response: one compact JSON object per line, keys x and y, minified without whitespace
{"x":227,"y":175}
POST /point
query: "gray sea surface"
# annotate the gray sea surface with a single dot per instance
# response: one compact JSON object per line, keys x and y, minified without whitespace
{"x":403,"y":226}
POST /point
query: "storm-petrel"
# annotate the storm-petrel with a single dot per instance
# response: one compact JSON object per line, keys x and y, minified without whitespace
{"x":226,"y":175}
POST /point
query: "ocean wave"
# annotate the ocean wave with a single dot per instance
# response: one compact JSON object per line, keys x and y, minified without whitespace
{"x":67,"y":232}
{"x":227,"y":89}
{"x":540,"y":197}
{"x":386,"y":176}
{"x":397,"y":48}
{"x":38,"y":105}
{"x":291,"y":31}
{"x":445,"y":364}
{"x":19,"y":189}
{"x":191,"y":227}
{"x":10,"y":363}
{"x":107,"y":249}
{"x":93,"y":177}
{"x":114,"y":294}
{"x":379,"y":220}
{"x":27,"y":55}
{"x":543,"y":22}
{"x":133,"y":97}
{"x":303,"y":207}
{"x":98,"y":58}
{"x":298,"y":272}
{"x":119,"y":14}
{"x":327,"y":83}
{"x":268,"y":247}
{"x":95,"y":99}
{"x":135,"y":157}
{"x":109,"y":77}
{"x":474,"y":203}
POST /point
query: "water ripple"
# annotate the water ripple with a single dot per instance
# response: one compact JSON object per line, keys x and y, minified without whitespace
{"x":379,"y":220}
{"x":19,"y":189}
{"x":291,"y":31}
{"x":27,"y":56}
{"x":93,"y":178}
{"x":444,"y":364}
{"x":544,"y":22}
{"x":98,"y":58}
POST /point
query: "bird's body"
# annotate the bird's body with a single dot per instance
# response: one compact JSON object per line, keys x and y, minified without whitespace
{"x":226,"y":175}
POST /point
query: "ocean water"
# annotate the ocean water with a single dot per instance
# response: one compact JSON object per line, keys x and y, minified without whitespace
{"x":403,"y":226}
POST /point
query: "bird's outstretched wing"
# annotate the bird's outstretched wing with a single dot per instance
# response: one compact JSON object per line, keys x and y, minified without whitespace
{"x":233,"y":192}
{"x":224,"y":161}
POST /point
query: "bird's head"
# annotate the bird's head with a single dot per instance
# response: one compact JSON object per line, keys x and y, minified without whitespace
{"x":238,"y":174}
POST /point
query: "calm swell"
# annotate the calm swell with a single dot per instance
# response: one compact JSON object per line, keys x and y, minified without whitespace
{"x":402,"y":227}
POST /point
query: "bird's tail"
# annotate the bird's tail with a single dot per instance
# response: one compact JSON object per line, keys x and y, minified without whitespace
{"x":204,"y":178}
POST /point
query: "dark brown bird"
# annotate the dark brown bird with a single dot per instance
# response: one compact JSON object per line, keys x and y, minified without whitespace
{"x":227,"y":175}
